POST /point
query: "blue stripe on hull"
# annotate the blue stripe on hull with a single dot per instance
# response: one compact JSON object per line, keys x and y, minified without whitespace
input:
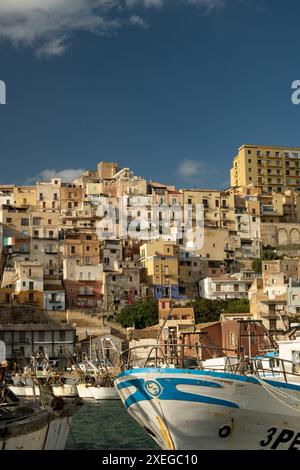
{"x":220,"y":375}
{"x":168,"y":391}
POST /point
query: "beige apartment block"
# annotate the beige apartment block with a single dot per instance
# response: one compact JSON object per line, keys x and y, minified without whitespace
{"x":280,"y":208}
{"x":25,"y":196}
{"x":217,"y":245}
{"x":274,"y":169}
{"x":48,"y":195}
{"x":218,"y":206}
{"x":71,"y":197}
{"x":158,"y":246}
{"x":47,"y":252}
{"x":44,"y":225}
{"x":29,"y":284}
{"x":82,"y":246}
{"x":6,"y":195}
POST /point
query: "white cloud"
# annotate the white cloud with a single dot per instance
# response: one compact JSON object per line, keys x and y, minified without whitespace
{"x":47,"y":25}
{"x":137,"y":21}
{"x":191,"y":170}
{"x":67,"y":176}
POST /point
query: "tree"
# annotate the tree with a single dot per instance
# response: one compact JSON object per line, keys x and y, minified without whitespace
{"x":142,"y":314}
{"x":207,"y":310}
{"x":257,"y":265}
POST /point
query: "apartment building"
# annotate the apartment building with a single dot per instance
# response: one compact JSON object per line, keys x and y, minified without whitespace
{"x":48,"y":195}
{"x":29,"y":283}
{"x":25,"y":196}
{"x":29,"y":339}
{"x":83,"y":246}
{"x":223,"y":288}
{"x":71,"y":197}
{"x":160,"y":262}
{"x":274,"y":169}
{"x":6,"y":195}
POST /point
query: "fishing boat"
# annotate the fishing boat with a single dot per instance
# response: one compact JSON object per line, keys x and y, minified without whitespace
{"x":241,"y":404}
{"x":42,"y":424}
{"x":97,"y":377}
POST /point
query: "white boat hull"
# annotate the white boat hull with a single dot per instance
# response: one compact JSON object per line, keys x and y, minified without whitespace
{"x":84,"y":391}
{"x":203,"y":410}
{"x":25,"y":391}
{"x":65,"y":391}
{"x":104,"y":393}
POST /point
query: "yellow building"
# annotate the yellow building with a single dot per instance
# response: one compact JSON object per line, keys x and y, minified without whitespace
{"x":218,"y":206}
{"x":274,"y":169}
{"x":29,"y":283}
{"x":160,"y":261}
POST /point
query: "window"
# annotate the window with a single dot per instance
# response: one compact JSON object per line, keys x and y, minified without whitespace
{"x":36,"y":221}
{"x":25,"y":222}
{"x":41,"y":336}
{"x":62,"y":336}
{"x":22,"y":338}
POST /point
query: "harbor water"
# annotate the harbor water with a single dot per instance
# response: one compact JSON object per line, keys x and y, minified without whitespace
{"x":106,"y":426}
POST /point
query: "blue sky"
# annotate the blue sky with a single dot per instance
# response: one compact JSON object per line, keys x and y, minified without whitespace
{"x":170,"y":88}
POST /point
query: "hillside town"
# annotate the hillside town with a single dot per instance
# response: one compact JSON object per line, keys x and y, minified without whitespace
{"x":74,"y":256}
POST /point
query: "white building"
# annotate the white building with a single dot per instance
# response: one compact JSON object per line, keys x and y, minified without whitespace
{"x":72,"y":271}
{"x":31,"y":338}
{"x":222,"y":288}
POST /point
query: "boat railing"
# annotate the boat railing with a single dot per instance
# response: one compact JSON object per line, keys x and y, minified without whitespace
{"x":180,"y":356}
{"x":277,"y":368}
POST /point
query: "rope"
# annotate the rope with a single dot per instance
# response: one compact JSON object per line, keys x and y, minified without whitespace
{"x":267,"y":388}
